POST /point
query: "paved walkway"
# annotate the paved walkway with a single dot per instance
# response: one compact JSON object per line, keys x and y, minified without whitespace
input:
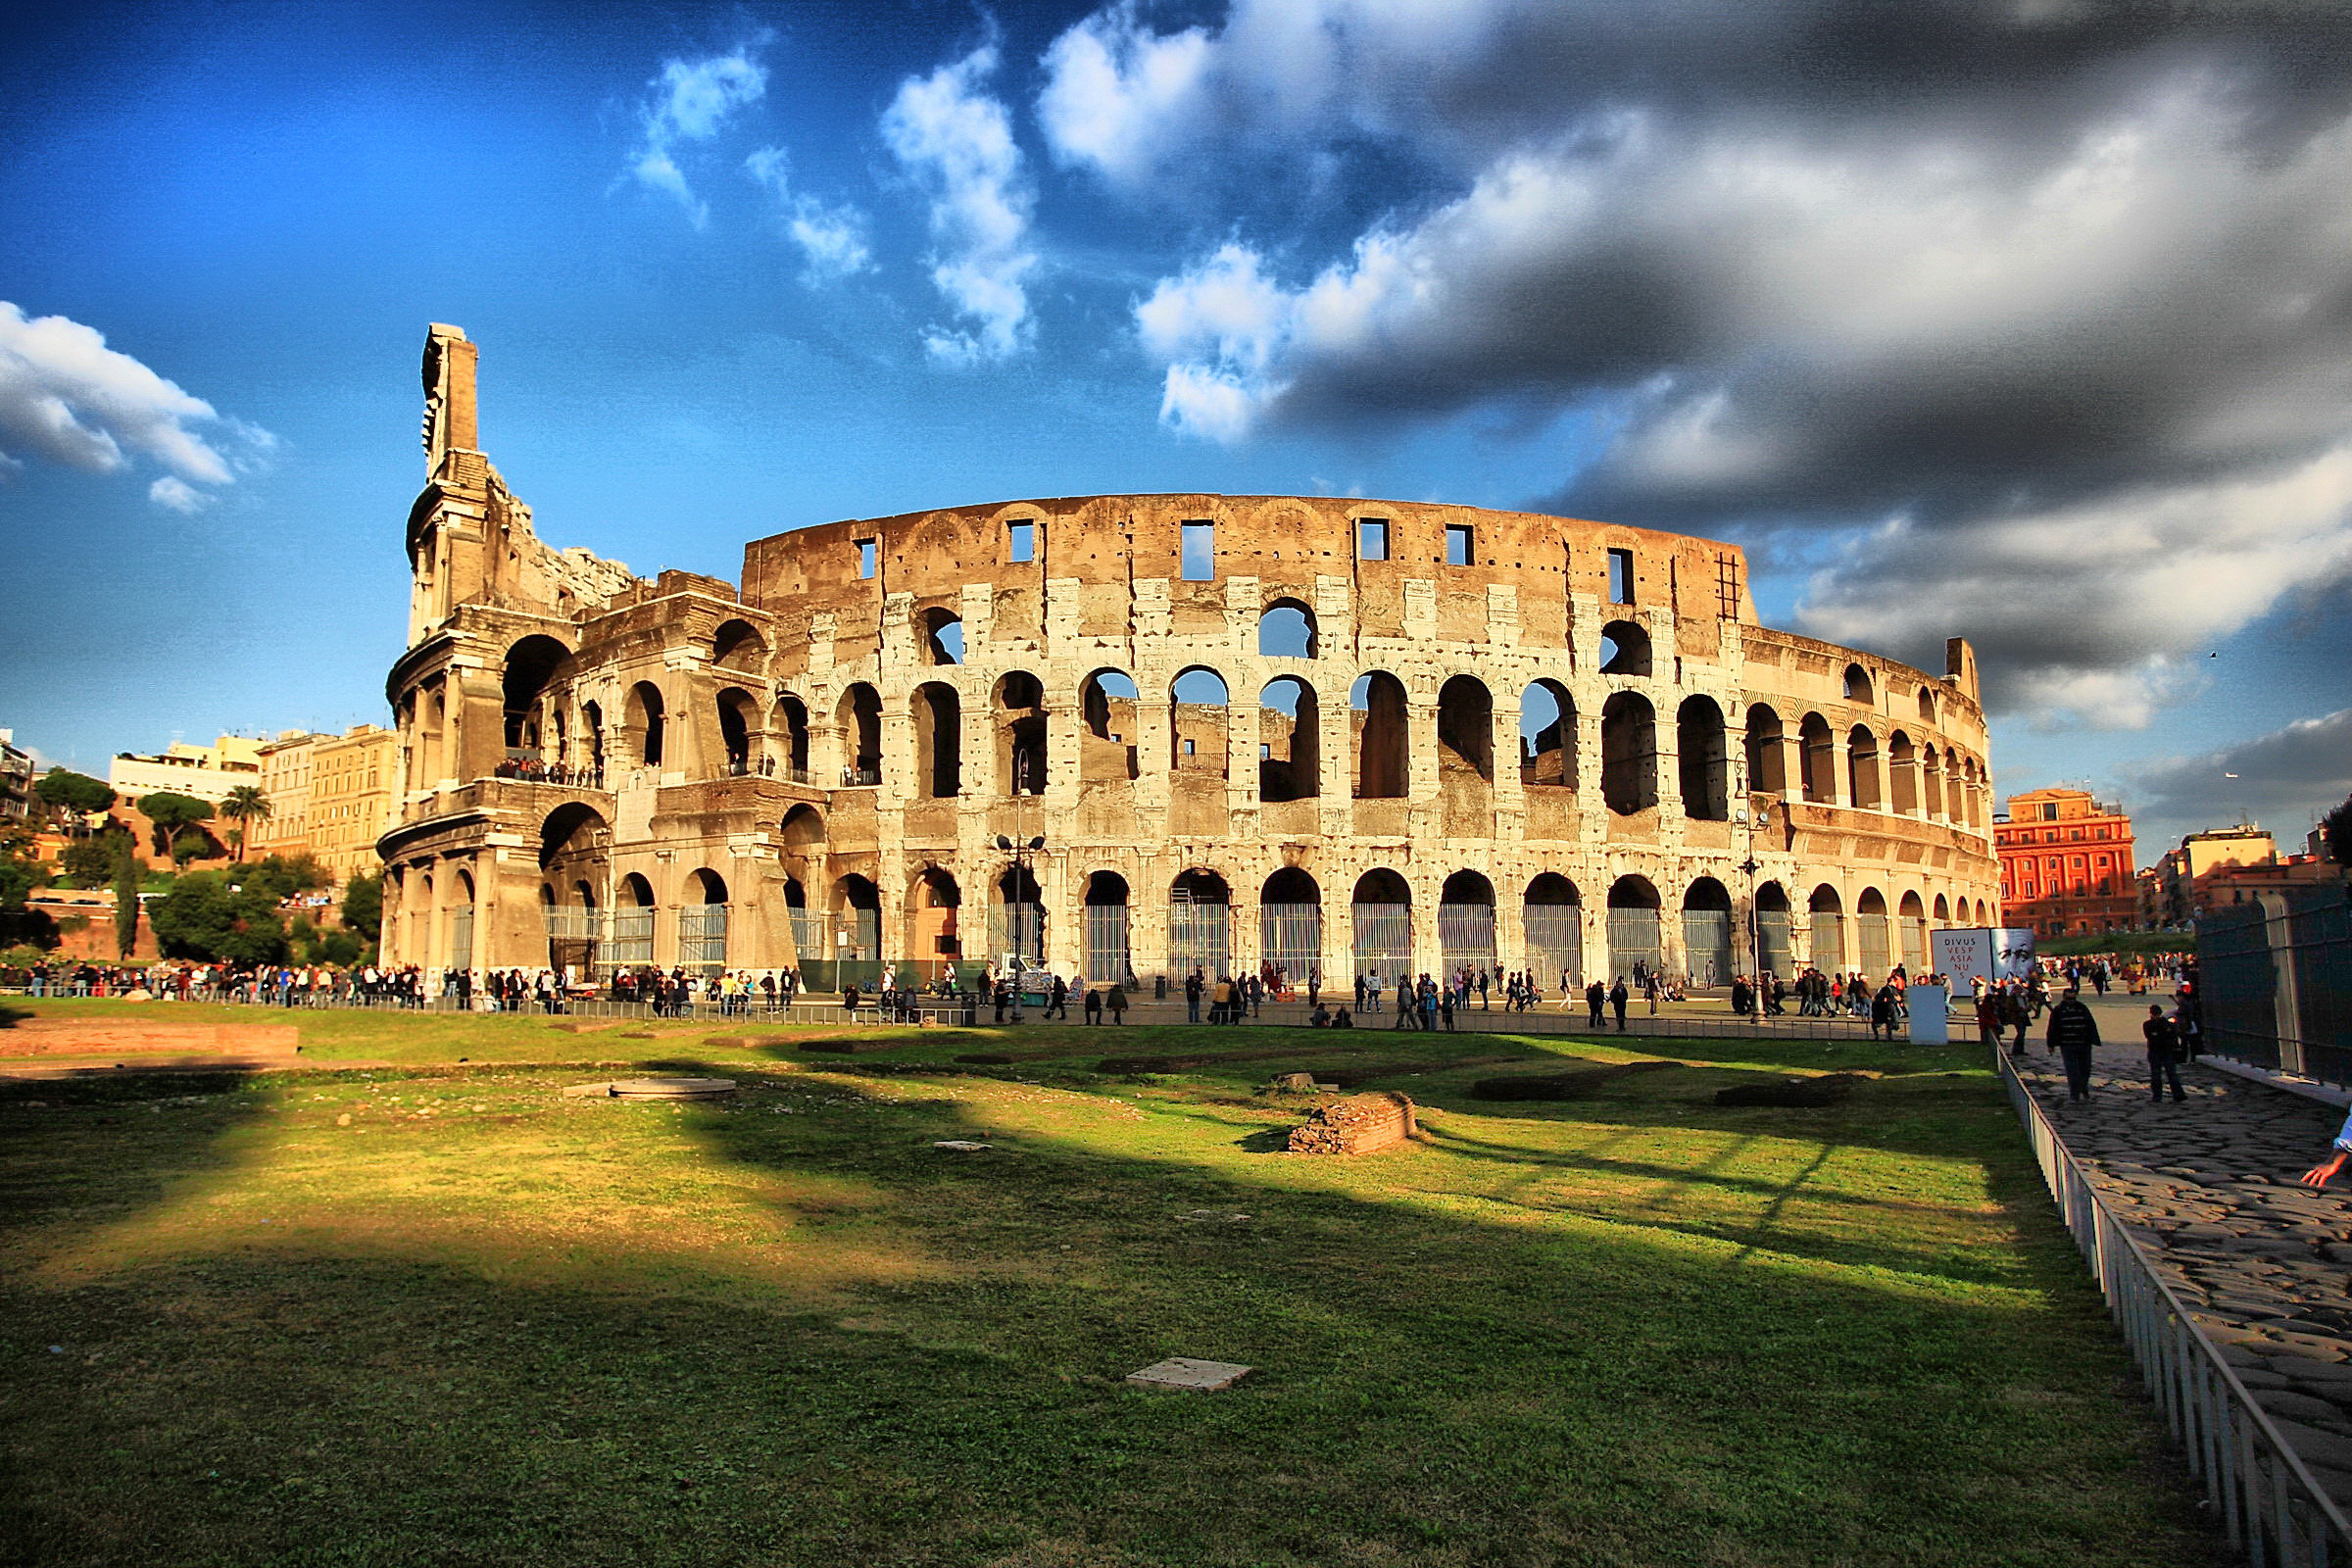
{"x":2209,"y":1188}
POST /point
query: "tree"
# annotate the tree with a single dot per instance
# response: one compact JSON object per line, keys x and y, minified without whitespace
{"x":281,"y":876}
{"x":363,"y":906}
{"x":91,"y":862}
{"x":21,"y":872}
{"x":203,"y":917}
{"x":126,"y":897}
{"x":170,"y":812}
{"x":245,"y":805}
{"x":194,"y":843}
{"x":2335,"y":829}
{"x":72,"y":795}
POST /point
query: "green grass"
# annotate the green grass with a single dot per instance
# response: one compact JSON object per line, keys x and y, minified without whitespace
{"x":483,"y":1323}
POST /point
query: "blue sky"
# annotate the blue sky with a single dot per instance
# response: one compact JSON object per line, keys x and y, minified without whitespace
{"x":2024,"y":324}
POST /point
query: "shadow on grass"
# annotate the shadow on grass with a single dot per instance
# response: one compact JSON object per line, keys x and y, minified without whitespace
{"x":1433,"y":1387}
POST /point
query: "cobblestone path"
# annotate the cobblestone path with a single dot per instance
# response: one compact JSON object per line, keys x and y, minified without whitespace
{"x":2208,"y":1186}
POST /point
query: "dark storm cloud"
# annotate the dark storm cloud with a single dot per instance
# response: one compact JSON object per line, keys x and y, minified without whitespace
{"x":2281,"y":780}
{"x":2038,"y":303}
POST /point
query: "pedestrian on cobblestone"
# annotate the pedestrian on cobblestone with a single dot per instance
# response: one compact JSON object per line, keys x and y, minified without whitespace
{"x":2164,"y":1056}
{"x":2074,"y":1035}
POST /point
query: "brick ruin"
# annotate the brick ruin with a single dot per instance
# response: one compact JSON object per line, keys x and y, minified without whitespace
{"x":1338,"y":734}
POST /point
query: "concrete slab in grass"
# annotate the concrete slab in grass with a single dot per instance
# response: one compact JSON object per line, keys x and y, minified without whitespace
{"x":1188,"y":1374}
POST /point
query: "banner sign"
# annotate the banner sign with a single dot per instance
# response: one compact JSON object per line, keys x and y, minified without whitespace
{"x":1997,"y":954}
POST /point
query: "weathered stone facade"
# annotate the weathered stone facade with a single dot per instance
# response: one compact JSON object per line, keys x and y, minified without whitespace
{"x":820,"y":766}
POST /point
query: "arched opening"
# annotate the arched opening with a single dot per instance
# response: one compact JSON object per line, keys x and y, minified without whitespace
{"x":1286,"y":630}
{"x":932,"y":941}
{"x":1466,"y":924}
{"x":1912,"y":922}
{"x":1767,"y":765}
{"x":1107,"y":702}
{"x":942,"y":634}
{"x":1290,"y":755}
{"x":632,"y":943}
{"x":938,"y":742}
{"x":1016,"y":917}
{"x":1870,"y":931}
{"x":808,"y":932}
{"x":1377,"y":712}
{"x":1817,"y":760}
{"x":1546,"y":738}
{"x":856,"y":949}
{"x":1931,"y":782}
{"x":532,"y":666}
{"x":803,"y":833}
{"x":1704,"y":767}
{"x":1196,"y":714}
{"x":1552,"y":922}
{"x":574,"y":839}
{"x":1926,"y":704}
{"x":1983,"y":915}
{"x":1382,"y":913}
{"x":1633,"y":927}
{"x":1863,"y":791}
{"x":1020,"y":734}
{"x":860,"y":715}
{"x":1465,"y":728}
{"x":1828,"y":920}
{"x":1707,"y":951}
{"x":1773,"y":955}
{"x":703,"y":923}
{"x":1624,"y":649}
{"x":738,"y":645}
{"x":460,"y":923}
{"x":644,"y":715}
{"x":1857,"y":684}
{"x":737,"y":717}
{"x":1943,"y":911}
{"x":1289,"y":926}
{"x":1902,"y":775}
{"x":1109,"y":958}
{"x":1629,"y":755}
{"x":792,"y":717}
{"x":1199,"y":905}
{"x":592,"y":718}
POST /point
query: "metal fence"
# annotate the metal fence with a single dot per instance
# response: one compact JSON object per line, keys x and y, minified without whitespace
{"x":1707,"y":947}
{"x":2272,"y":1506}
{"x":1383,"y":939}
{"x":1772,"y":941}
{"x":1199,"y":938}
{"x":1555,"y":942}
{"x":2277,"y":977}
{"x":703,"y":937}
{"x":1290,"y":937}
{"x":1106,"y":954}
{"x":1633,"y":937}
{"x":1465,"y":938}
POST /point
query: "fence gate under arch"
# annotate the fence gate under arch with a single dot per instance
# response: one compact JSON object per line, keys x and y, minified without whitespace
{"x":703,"y":937}
{"x":1106,"y":957}
{"x":1199,"y":937}
{"x":1707,"y":947}
{"x":460,"y":937}
{"x":1466,"y":938}
{"x":632,"y":942}
{"x":1290,"y":936}
{"x":1772,"y":932}
{"x":1875,"y":961}
{"x":1828,"y":941}
{"x":1633,"y":937}
{"x":1555,"y":942}
{"x":1383,"y":939}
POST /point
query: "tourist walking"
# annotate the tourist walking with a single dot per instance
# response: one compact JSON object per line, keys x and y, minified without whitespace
{"x":1115,"y":1004}
{"x":2074,"y":1034}
{"x":1617,"y":999}
{"x":2164,"y":1056}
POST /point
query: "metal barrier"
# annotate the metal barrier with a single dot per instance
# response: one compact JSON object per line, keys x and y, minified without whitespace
{"x":2265,"y":1497}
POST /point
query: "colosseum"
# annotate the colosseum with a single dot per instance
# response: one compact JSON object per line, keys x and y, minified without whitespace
{"x":1136,"y":734}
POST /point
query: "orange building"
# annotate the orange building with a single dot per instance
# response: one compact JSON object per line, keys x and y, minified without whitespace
{"x":2066,"y":864}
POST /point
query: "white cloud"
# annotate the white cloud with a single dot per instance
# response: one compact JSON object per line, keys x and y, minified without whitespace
{"x":955,"y":143}
{"x":690,"y":101}
{"x":2100,"y":607}
{"x":67,"y":398}
{"x":2284,"y":778}
{"x":176,"y":494}
{"x":1118,"y":94}
{"x":832,"y":239}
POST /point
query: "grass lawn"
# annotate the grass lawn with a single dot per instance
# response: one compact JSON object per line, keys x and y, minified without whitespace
{"x":438,"y":1314}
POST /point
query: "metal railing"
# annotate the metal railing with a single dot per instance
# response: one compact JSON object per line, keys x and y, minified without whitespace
{"x":2266,"y":1498}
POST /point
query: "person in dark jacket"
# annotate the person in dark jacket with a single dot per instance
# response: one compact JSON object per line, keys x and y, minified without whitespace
{"x":2074,"y":1034}
{"x":1596,"y":996}
{"x":2163,"y":1055}
{"x":1617,"y":1003}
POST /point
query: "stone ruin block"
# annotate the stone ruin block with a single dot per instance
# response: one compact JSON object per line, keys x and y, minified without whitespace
{"x":1360,"y":1124}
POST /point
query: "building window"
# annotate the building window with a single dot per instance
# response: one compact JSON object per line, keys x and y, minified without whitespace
{"x":1621,"y":577}
{"x":868,"y":553}
{"x":1371,"y":538}
{"x":1188,"y":747}
{"x":1200,"y":552}
{"x":1021,"y":542}
{"x":1458,"y":547}
{"x":1265,"y":753}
